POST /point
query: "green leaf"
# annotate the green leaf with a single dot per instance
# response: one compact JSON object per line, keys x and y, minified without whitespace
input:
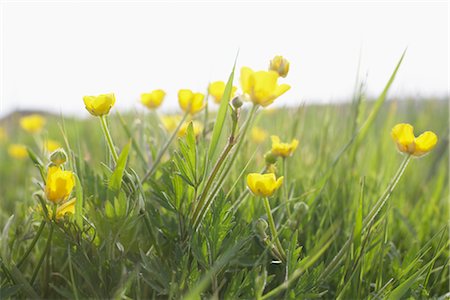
{"x":19,"y":278}
{"x":115,"y":181}
{"x":359,"y":219}
{"x":78,"y":202}
{"x":109,"y":210}
{"x":379,"y":102}
{"x":218,"y":126}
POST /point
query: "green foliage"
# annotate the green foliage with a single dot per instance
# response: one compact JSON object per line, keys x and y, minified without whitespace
{"x":135,"y":238}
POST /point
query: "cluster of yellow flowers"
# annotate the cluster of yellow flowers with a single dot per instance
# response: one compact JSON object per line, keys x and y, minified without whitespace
{"x":32,"y":124}
{"x":259,"y":87}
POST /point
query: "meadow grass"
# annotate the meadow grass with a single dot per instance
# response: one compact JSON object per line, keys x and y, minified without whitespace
{"x":144,"y":235}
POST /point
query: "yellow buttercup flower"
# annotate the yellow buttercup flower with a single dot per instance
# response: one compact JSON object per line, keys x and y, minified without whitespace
{"x":191,"y":102}
{"x":59,"y":184}
{"x":280,"y":65}
{"x":170,"y":122}
{"x":216,"y":90}
{"x":66,"y":208}
{"x":153,"y":99}
{"x":197,"y":126}
{"x":403,"y":135}
{"x":283,"y":149}
{"x":262,"y":86}
{"x":17,"y":151}
{"x":258,"y":135}
{"x":51,"y":145}
{"x":99,"y":105}
{"x":263,"y":185}
{"x":32,"y":123}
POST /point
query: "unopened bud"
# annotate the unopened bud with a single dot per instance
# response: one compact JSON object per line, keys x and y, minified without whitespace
{"x":301,"y":208}
{"x":270,"y":158}
{"x":261,"y":227}
{"x":58,"y":157}
{"x":280,"y":65}
{"x":237,"y":102}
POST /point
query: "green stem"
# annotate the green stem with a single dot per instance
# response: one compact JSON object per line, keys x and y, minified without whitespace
{"x":164,"y":149}
{"x":202,"y":206}
{"x":108,"y":138}
{"x":273,"y":229}
{"x":387,"y":193}
{"x":41,"y":259}
{"x":285,"y":189}
{"x":33,"y":243}
{"x":368,"y":220}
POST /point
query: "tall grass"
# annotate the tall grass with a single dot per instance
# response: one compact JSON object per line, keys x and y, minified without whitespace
{"x":190,"y":228}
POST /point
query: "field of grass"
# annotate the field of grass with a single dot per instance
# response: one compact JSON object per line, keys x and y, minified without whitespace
{"x":191,"y":229}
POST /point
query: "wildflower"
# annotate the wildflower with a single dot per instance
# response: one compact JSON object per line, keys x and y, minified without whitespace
{"x":17,"y":151}
{"x":280,"y":65}
{"x":170,"y":122}
{"x":403,"y":135}
{"x":32,"y":123}
{"x":51,"y":145}
{"x":197,"y":127}
{"x":59,"y":184}
{"x":216,"y":90}
{"x":283,"y":149}
{"x":237,"y":102}
{"x":263,"y":185}
{"x":65,"y":208}
{"x":262,"y":86}
{"x":58,"y":157}
{"x":154,"y":99}
{"x":191,"y":102}
{"x":258,"y":135}
{"x":99,"y":105}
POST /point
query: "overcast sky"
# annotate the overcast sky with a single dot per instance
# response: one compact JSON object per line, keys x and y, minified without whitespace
{"x":54,"y":53}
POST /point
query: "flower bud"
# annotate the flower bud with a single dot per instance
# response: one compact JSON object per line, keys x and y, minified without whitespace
{"x":301,"y":208}
{"x":270,"y":158}
{"x":237,"y":102}
{"x":261,"y":227}
{"x":280,"y":65}
{"x":58,"y":157}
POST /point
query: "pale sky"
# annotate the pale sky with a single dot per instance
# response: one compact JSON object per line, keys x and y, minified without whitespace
{"x":55,"y":53}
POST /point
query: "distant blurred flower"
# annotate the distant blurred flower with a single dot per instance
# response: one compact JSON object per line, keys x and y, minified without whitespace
{"x":18,"y":151}
{"x":51,"y":145}
{"x":59,"y":184}
{"x":263,"y":185}
{"x":216,"y":90}
{"x":170,"y":122}
{"x":99,"y":105}
{"x":403,"y":135}
{"x":262,"y":86}
{"x":197,"y":127}
{"x":258,"y":135}
{"x":191,"y":102}
{"x":283,"y":149}
{"x":280,"y":65}
{"x":32,"y":123}
{"x":153,"y":99}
